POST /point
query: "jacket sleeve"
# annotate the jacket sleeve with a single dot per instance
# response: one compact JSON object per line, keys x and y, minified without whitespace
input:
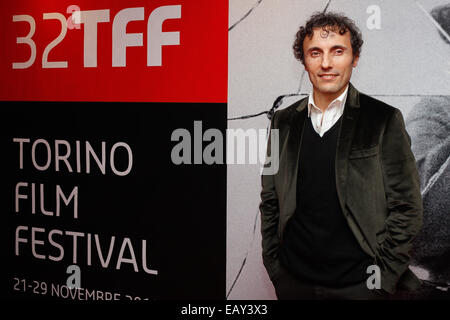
{"x":270,"y":212}
{"x":404,"y":202}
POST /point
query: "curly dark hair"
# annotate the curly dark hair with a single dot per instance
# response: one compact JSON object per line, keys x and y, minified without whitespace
{"x":329,"y":21}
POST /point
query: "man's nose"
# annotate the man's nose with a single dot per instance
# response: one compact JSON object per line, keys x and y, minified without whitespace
{"x":327,"y":61}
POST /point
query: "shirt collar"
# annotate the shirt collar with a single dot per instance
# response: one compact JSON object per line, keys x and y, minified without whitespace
{"x":341,"y":99}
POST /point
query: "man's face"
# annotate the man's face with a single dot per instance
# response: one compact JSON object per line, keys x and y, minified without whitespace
{"x":329,"y":61}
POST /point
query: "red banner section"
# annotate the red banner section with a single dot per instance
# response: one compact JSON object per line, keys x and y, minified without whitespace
{"x":148,"y":50}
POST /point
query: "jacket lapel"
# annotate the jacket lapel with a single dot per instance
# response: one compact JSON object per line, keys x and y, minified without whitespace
{"x":297,"y":121}
{"x":346,"y":133}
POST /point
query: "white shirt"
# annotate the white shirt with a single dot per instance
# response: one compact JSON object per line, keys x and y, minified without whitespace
{"x":323,"y":121}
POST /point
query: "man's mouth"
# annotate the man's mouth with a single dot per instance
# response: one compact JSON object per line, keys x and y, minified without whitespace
{"x":328,"y":76}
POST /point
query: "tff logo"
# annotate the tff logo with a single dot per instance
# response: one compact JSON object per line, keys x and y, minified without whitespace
{"x":121,"y":40}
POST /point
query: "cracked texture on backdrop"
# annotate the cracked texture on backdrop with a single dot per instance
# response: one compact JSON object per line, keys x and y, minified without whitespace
{"x":276,"y":104}
{"x":432,"y":150}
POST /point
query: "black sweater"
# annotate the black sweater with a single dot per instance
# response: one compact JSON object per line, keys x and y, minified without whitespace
{"x":319,"y":246}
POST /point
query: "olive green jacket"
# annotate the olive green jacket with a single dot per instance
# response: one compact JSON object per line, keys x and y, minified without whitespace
{"x":376,"y":179}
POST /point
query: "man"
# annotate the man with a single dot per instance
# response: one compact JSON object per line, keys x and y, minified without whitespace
{"x":346,"y":197}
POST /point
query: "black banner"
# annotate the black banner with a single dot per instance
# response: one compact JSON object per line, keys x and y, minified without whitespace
{"x":94,"y":186}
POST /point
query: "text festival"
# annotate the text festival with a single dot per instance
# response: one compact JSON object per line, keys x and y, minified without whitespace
{"x":53,"y":156}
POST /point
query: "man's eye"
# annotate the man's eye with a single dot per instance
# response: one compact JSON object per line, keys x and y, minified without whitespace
{"x":339,"y":52}
{"x":315,"y":53}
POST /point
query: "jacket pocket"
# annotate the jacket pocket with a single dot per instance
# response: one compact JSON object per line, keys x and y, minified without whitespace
{"x":363,"y":153}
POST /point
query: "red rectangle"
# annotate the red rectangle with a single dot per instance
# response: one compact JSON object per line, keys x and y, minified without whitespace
{"x":194,"y":70}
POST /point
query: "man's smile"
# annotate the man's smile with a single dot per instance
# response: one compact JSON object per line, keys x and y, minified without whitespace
{"x":328,"y":76}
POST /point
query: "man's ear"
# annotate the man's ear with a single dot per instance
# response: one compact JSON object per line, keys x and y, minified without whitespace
{"x":355,"y":61}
